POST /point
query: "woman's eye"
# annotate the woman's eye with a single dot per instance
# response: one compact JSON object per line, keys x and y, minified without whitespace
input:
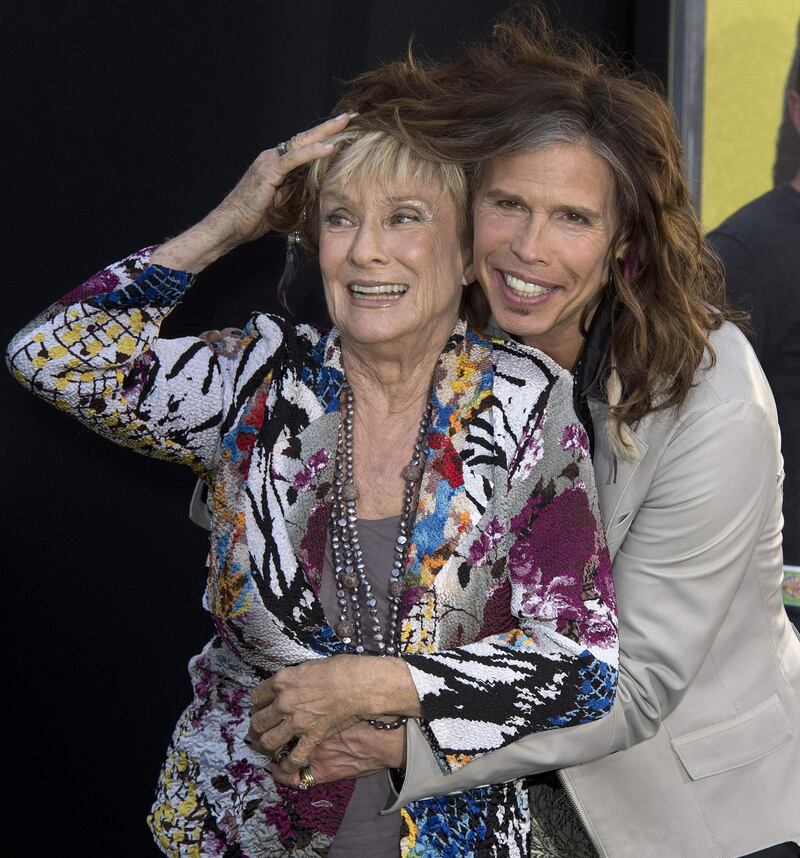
{"x":405,"y":217}
{"x":337,"y":219}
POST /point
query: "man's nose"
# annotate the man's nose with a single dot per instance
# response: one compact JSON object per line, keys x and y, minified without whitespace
{"x":530,"y":241}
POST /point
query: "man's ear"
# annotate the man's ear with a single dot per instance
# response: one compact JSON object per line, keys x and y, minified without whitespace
{"x":469,"y":275}
{"x":626,"y":259}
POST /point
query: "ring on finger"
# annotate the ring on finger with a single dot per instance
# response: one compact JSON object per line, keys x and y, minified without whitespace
{"x":283,"y":752}
{"x":306,"y":778}
{"x":282,"y":147}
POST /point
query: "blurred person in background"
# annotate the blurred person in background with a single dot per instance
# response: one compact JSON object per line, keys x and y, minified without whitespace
{"x":759,"y":246}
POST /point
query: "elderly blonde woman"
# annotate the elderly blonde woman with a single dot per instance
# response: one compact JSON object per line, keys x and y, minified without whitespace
{"x":404,"y":518}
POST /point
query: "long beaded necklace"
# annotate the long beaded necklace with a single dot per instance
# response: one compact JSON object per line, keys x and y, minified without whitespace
{"x":353,"y":586}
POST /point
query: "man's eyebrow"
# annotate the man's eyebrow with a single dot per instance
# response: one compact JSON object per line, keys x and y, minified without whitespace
{"x":587,"y":211}
{"x":501,"y":193}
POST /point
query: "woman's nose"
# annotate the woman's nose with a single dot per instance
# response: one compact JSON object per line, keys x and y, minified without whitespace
{"x":368,"y":246}
{"x":529,"y":243}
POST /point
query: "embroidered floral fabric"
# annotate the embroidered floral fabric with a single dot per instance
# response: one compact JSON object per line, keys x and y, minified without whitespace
{"x":508,"y":617}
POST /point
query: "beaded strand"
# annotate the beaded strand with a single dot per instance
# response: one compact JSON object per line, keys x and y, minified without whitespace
{"x":353,"y":585}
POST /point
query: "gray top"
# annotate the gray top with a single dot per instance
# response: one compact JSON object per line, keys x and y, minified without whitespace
{"x":364,"y":833}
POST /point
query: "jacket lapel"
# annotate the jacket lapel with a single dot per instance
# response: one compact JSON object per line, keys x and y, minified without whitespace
{"x":303,"y":464}
{"x":613,"y":475}
{"x":306,"y":474}
{"x":457,"y":484}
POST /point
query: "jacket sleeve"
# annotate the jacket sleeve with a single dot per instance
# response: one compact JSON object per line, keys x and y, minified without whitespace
{"x":96,"y":353}
{"x":676,"y":573}
{"x":554,"y":662}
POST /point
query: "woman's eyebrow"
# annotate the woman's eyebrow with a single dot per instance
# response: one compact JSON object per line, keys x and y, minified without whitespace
{"x":397,"y":200}
{"x":392,"y":200}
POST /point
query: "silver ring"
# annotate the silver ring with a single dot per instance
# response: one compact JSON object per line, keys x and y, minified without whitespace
{"x":282,"y":147}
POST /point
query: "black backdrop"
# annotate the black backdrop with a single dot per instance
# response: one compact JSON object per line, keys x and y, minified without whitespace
{"x":125,"y":121}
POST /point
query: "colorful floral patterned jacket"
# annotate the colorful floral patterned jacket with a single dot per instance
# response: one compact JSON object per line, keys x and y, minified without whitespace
{"x":509,"y":620}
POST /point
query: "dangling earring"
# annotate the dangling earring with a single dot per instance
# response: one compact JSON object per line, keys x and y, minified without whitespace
{"x":290,"y":267}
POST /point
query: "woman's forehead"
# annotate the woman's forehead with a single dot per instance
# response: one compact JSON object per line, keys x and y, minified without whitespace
{"x":388,"y":191}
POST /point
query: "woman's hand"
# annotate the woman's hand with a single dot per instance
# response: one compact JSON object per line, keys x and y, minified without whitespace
{"x":354,"y":753}
{"x":317,"y":699}
{"x":243,"y":215}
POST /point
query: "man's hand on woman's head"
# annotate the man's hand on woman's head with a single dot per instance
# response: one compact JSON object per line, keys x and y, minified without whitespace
{"x":244,"y":214}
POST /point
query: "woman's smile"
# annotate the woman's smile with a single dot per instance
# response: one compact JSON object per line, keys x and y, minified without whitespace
{"x":373,"y":294}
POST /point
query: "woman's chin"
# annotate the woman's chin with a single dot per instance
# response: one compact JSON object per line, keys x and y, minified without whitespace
{"x":398,"y":337}
{"x":377,"y":333}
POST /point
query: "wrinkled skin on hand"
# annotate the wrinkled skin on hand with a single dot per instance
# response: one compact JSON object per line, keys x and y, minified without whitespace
{"x":359,"y":751}
{"x":315,"y":700}
{"x":312,"y":702}
{"x":244,"y":214}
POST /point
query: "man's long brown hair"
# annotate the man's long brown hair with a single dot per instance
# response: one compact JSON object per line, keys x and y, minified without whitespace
{"x":531,"y":85}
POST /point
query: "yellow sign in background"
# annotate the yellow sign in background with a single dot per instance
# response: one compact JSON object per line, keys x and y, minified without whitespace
{"x":749,"y":51}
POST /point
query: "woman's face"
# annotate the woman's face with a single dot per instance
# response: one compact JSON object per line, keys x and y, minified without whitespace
{"x":543,"y":225}
{"x":392,"y":261}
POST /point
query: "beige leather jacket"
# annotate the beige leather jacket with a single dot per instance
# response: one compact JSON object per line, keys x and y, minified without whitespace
{"x":701,"y":753}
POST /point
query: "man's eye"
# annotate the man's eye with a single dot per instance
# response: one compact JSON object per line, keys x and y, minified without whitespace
{"x":574,"y":217}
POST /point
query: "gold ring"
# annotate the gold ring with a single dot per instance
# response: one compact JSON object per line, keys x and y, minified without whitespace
{"x":306,"y":778}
